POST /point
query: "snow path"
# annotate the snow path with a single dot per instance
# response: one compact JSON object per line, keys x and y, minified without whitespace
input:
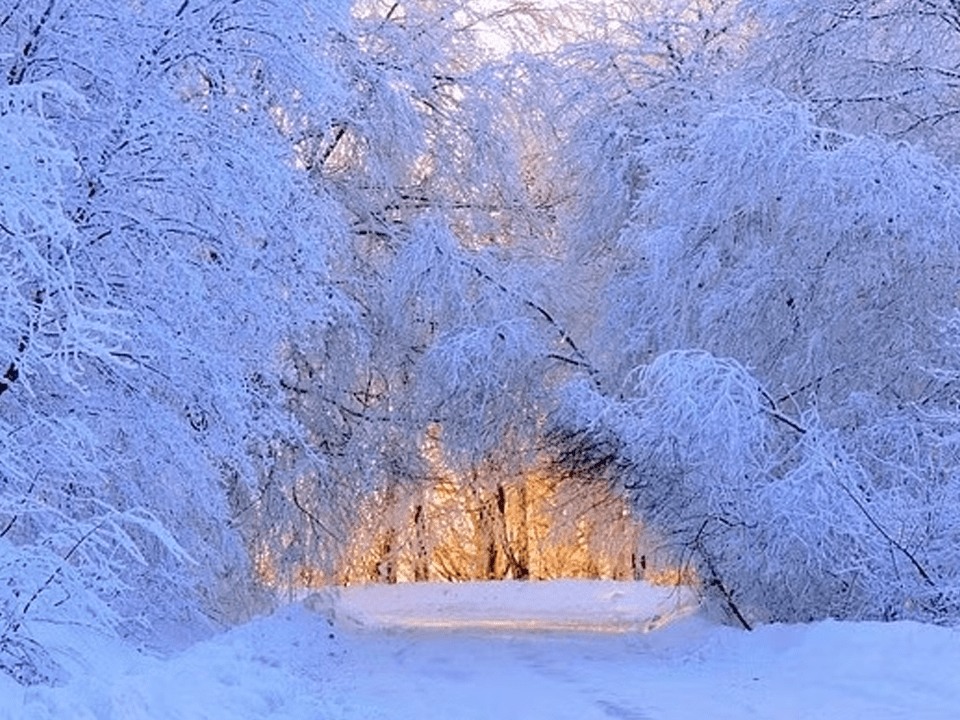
{"x":513,"y":605}
{"x":356,"y":655}
{"x":690,"y":670}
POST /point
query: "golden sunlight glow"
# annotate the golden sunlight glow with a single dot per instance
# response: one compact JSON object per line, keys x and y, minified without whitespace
{"x":539,"y":523}
{"x":534,"y":525}
{"x":487,"y":527}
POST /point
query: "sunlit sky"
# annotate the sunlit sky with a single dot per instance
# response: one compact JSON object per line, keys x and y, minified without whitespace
{"x":505,"y":26}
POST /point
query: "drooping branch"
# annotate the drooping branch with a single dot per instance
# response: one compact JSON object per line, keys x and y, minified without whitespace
{"x":715,"y":581}
{"x":53,"y":576}
{"x":313,"y":518}
{"x":886,"y":536}
{"x":580,"y":359}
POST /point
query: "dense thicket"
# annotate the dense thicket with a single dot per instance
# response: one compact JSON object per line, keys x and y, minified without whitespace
{"x":282,"y":278}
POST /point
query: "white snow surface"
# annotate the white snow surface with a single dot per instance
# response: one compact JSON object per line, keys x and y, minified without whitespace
{"x":562,"y":649}
{"x":516,"y":605}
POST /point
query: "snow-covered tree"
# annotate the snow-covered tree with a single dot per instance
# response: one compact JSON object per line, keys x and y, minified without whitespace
{"x":163,"y":250}
{"x":825,"y":263}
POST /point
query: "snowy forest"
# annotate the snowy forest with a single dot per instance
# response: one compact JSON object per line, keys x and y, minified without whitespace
{"x":301,"y":293}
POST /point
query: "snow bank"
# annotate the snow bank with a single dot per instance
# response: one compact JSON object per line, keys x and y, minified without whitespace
{"x":278,"y":667}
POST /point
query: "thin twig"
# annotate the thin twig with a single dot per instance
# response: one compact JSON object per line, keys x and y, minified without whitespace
{"x":314,"y":518}
{"x":885,"y":534}
{"x":785,"y":420}
{"x":40,"y":590}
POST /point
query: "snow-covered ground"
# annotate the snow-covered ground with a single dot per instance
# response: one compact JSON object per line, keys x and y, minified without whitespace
{"x":565,"y":649}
